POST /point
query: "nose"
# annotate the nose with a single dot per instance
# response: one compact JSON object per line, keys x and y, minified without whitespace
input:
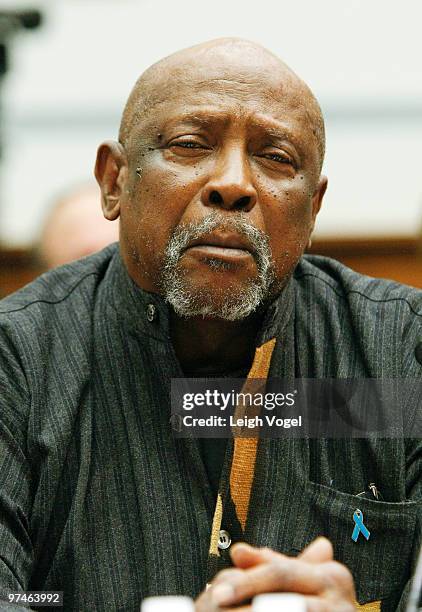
{"x":230,"y":186}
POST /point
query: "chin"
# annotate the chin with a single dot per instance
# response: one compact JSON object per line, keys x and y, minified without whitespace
{"x":220,"y":288}
{"x":232,"y":303}
{"x":222,"y":275}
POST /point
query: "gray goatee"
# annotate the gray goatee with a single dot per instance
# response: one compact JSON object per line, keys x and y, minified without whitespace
{"x":229,"y":304}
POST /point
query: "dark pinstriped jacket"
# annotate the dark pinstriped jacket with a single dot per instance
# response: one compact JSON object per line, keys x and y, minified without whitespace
{"x":99,"y":500}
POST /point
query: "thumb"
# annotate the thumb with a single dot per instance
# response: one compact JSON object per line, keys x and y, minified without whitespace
{"x":318,"y":551}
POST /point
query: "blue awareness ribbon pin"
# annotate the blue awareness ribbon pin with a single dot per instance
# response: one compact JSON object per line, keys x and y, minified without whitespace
{"x":359,"y":526}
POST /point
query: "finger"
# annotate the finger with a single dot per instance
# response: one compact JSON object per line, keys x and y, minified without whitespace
{"x":226,"y":575}
{"x":207,"y":602}
{"x":280,"y":574}
{"x":204,"y":603}
{"x":244,"y":556}
{"x":318,"y":551}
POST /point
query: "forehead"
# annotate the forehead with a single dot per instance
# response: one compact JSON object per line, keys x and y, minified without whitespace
{"x":256,"y":84}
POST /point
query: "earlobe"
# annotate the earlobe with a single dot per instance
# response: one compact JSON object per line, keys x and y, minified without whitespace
{"x":110,"y":172}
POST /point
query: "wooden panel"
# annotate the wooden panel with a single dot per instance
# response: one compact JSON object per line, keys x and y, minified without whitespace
{"x":399,"y":259}
{"x":17,"y":268}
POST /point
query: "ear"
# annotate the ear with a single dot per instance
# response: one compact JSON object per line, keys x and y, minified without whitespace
{"x":318,"y":195}
{"x":110,"y":172}
{"x":317,"y":201}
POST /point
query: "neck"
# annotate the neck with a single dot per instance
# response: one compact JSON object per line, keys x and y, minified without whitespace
{"x":213,"y":346}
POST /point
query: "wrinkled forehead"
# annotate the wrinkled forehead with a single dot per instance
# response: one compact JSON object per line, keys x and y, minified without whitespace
{"x":235,"y":79}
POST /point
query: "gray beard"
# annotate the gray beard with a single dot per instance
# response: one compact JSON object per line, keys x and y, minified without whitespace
{"x":229,"y":304}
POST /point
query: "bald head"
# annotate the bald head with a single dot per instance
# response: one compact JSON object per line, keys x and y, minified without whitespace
{"x":223,"y":61}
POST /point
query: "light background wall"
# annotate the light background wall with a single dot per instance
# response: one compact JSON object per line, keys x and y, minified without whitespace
{"x":69,"y":81}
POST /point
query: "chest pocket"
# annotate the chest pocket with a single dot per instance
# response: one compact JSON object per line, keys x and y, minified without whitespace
{"x":380,"y":565}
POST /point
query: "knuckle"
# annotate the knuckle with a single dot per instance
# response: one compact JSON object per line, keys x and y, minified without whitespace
{"x":341,"y":573}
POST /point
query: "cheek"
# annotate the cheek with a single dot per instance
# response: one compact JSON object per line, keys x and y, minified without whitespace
{"x":154,"y":205}
{"x":169,"y":182}
{"x":165,"y":190}
{"x":287,"y":214}
{"x":144,"y":236}
{"x":161,"y":195}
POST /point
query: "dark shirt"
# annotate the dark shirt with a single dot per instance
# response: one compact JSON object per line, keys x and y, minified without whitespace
{"x":97,"y":497}
{"x":213,"y":451}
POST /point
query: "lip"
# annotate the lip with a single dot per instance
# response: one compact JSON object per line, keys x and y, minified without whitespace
{"x":224,"y":241}
{"x":227,"y":254}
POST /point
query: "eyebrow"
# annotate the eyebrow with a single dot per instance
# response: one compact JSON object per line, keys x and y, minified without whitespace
{"x":261,"y":123}
{"x":276,"y":129}
{"x":278,"y":132}
{"x":198,"y":118}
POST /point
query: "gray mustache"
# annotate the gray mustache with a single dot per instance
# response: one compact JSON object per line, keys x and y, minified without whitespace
{"x":257,"y":239}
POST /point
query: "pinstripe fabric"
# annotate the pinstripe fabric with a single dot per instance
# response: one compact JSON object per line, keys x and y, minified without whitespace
{"x":98,"y":499}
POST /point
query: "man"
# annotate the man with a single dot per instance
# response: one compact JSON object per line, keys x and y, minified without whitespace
{"x":74,"y":228}
{"x":216,"y":182}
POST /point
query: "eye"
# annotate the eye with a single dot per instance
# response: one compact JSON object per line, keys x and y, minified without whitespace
{"x":187,"y":147}
{"x":187,"y":144}
{"x":281,"y":158}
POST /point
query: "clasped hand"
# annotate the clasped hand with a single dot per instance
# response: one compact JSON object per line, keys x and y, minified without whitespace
{"x":326,"y":584}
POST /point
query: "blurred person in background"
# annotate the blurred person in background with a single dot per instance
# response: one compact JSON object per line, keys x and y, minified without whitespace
{"x":74,"y":227}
